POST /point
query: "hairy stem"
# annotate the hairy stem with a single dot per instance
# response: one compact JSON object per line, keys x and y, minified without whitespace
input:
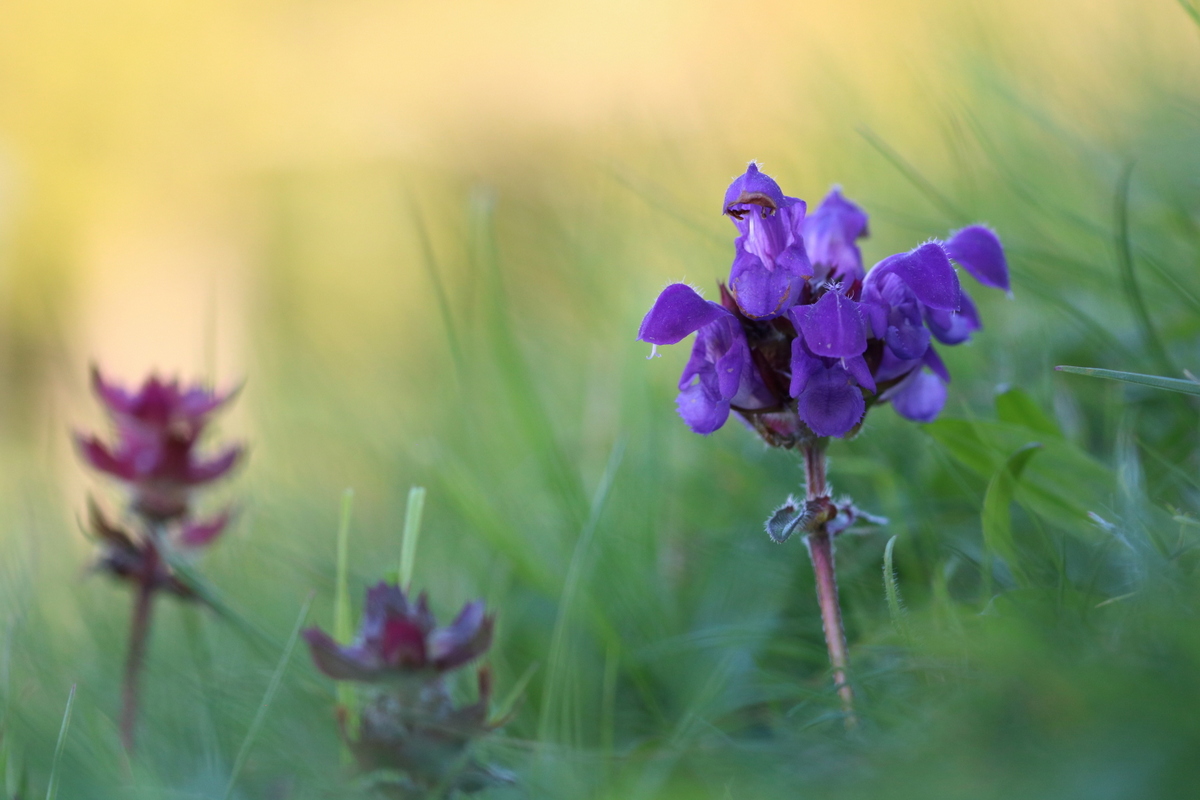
{"x":820,"y":549}
{"x":139,"y":632}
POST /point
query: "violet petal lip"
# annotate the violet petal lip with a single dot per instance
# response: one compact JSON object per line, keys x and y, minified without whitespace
{"x":978,"y":250}
{"x":678,"y":312}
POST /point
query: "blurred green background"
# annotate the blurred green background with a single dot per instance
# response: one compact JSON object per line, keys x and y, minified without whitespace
{"x":424,"y":235}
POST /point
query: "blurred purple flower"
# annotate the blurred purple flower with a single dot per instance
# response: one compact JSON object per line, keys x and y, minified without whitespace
{"x":157,"y":431}
{"x":805,"y":341}
{"x":400,"y":639}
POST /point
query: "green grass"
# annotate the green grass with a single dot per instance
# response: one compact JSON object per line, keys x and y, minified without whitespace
{"x":474,"y":336}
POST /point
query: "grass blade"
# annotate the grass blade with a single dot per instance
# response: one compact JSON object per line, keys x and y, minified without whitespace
{"x":939,"y":200}
{"x":997,"y":516}
{"x":272,"y":687}
{"x":439,"y":290}
{"x":558,"y":674}
{"x":1155,"y":381}
{"x":1133,"y":290}
{"x":343,"y":625}
{"x":412,"y":532}
{"x":52,"y":787}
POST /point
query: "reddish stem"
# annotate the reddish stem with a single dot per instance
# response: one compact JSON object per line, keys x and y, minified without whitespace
{"x":820,"y":549}
{"x":139,"y":633}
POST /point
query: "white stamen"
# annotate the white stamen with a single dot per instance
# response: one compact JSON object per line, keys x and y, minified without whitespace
{"x":654,"y":352}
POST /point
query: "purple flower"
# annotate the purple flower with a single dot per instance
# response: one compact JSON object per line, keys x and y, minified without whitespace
{"x":399,"y":639}
{"x":770,"y":266}
{"x":805,"y":341}
{"x":718,"y":374}
{"x":157,"y":432}
{"x":831,"y":234}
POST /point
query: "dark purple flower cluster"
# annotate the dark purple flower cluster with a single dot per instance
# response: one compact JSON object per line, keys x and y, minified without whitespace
{"x":804,"y":339}
{"x":154,"y":455}
{"x":410,"y":730}
{"x":400,"y":639}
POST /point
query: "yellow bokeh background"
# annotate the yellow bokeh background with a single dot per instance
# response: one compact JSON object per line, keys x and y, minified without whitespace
{"x":136,"y":135}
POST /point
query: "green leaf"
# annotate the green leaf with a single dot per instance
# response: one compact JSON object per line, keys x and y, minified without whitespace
{"x":784,"y":521}
{"x":997,"y":514}
{"x":1170,"y":384}
{"x":1066,"y":483}
{"x":1018,"y":408}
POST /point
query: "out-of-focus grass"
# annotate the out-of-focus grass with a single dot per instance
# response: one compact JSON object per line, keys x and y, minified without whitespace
{"x":460,"y":314}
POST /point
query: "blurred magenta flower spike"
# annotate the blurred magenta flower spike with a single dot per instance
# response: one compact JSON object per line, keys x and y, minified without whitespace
{"x":410,"y":731}
{"x":155,"y":454}
{"x":804,"y":340}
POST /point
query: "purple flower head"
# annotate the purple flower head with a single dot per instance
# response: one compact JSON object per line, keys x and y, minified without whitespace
{"x":801,"y":351}
{"x":399,"y":639}
{"x":831,"y":234}
{"x":770,"y":266}
{"x":157,"y":432}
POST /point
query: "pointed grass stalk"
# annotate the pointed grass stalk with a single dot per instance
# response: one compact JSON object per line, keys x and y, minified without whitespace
{"x":52,"y":786}
{"x":268,"y":696}
{"x":412,"y":532}
{"x":820,"y":549}
{"x":343,"y":625}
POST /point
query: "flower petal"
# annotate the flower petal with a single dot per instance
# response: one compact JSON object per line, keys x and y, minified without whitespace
{"x":830,"y":234}
{"x":929,"y":274}
{"x":762,"y":293}
{"x":934,"y":361}
{"x":833,"y":327}
{"x":954,"y":327}
{"x":678,"y":312}
{"x":702,"y":412}
{"x":804,"y":366}
{"x":468,"y":636}
{"x":202,"y":534}
{"x":831,"y":404}
{"x":920,"y":397}
{"x":99,"y":456}
{"x":906,"y":338}
{"x":858,"y":369}
{"x":980,"y":253}
{"x":205,"y":471}
{"x":752,"y":187}
{"x":334,"y":661}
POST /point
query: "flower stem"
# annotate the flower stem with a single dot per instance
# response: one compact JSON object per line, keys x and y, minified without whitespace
{"x":820,"y":549}
{"x":139,"y":633}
